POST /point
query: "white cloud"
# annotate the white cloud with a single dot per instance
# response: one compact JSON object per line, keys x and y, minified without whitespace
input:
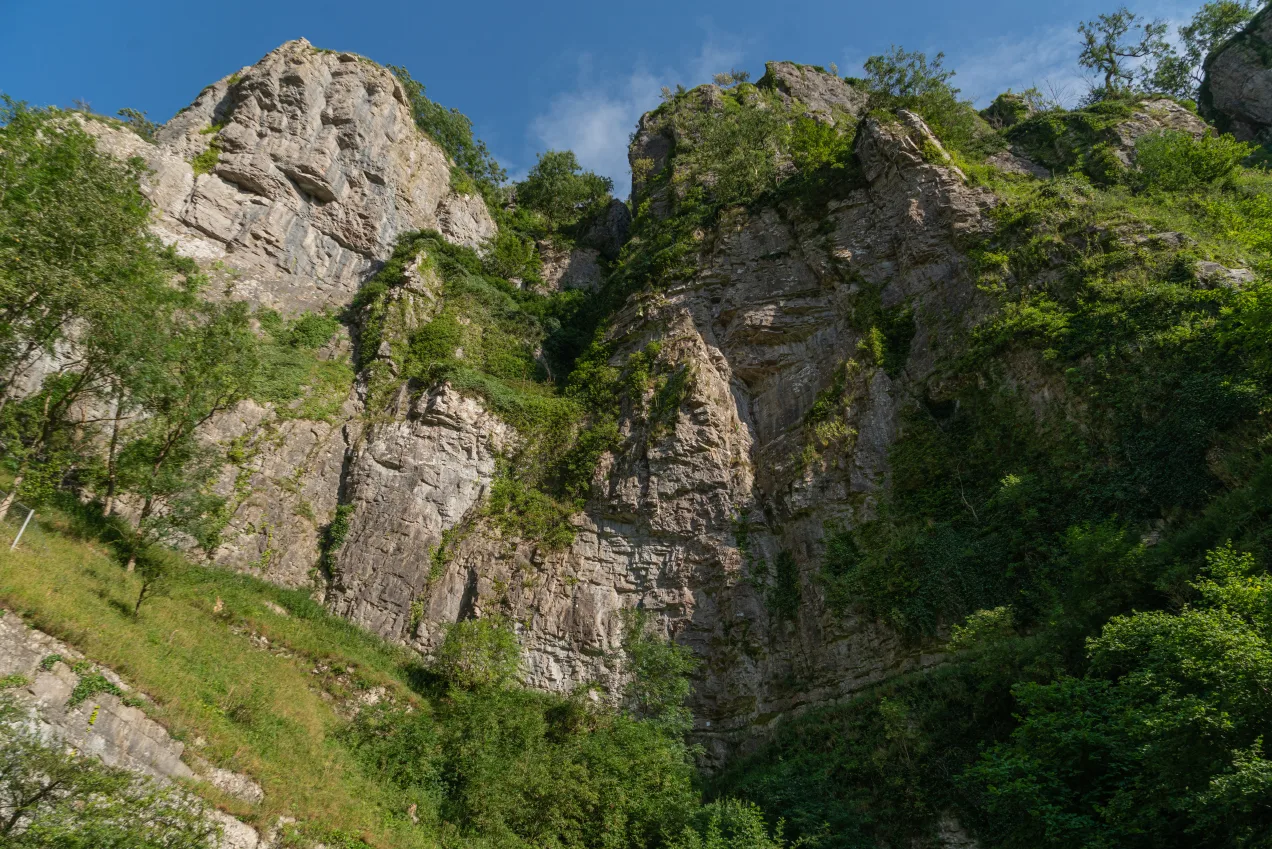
{"x":596,"y":119}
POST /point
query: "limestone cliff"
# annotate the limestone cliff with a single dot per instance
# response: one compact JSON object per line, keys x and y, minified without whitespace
{"x":1237,"y":91}
{"x":712,"y":518}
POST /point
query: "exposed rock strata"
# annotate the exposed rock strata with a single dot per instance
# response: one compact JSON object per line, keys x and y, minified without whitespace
{"x":314,"y":168}
{"x":105,"y":727}
{"x":763,"y":328}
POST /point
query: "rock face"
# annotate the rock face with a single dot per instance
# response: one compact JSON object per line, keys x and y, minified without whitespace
{"x":1154,"y":116}
{"x":104,"y":726}
{"x":826,"y":96}
{"x":691,"y":520}
{"x":296,"y":175}
{"x":1237,"y":91}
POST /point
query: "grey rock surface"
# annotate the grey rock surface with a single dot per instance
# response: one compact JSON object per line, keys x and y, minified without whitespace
{"x":762,"y":329}
{"x":104,"y":726}
{"x":313,"y":167}
{"x":826,"y":96}
{"x":1154,"y":116}
{"x":1237,"y":91}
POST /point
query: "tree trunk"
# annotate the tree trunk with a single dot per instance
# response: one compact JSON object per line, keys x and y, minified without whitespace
{"x":109,"y":506}
{"x":7,"y":503}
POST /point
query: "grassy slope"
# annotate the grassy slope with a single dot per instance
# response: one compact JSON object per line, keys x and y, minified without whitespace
{"x":267,"y":712}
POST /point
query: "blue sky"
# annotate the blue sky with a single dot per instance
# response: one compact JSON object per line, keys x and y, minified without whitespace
{"x":532,"y":76}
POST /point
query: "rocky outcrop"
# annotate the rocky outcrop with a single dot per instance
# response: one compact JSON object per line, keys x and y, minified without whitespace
{"x":826,"y":97}
{"x":1237,"y":91}
{"x":692,"y":520}
{"x":1154,"y":116}
{"x":292,"y":178}
{"x":108,"y":725}
{"x":410,"y":481}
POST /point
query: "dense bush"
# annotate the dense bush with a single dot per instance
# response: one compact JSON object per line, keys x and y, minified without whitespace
{"x":558,"y":187}
{"x":1173,"y":161}
{"x":1161,"y":743}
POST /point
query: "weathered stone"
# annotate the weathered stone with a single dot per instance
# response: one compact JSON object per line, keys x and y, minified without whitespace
{"x":1237,"y":91}
{"x":760,"y":331}
{"x":320,"y":169}
{"x":1154,"y":116}
{"x":103,"y":726}
{"x":577,"y":268}
{"x":827,"y":97}
{"x":607,"y":232}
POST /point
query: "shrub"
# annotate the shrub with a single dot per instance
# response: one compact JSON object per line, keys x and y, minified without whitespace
{"x":1174,"y":161}
{"x":479,"y":653}
{"x":729,"y":824}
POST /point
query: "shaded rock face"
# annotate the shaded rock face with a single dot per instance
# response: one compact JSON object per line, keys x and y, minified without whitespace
{"x":408,"y":482}
{"x":689,"y":520}
{"x":1237,"y":91}
{"x":313,"y":167}
{"x":318,"y":168}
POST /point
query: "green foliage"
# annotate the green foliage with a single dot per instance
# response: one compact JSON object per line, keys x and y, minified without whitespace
{"x":89,"y":686}
{"x":1160,"y":743}
{"x":479,"y":653}
{"x":139,"y":123}
{"x":1074,"y":141}
{"x":205,"y":162}
{"x":54,"y":798}
{"x":658,"y":676}
{"x":333,"y":535}
{"x":561,"y":190}
{"x":1114,"y":45}
{"x":729,"y":824}
{"x":453,"y":132}
{"x":900,"y":79}
{"x":1174,"y":161}
{"x":515,"y":349}
{"x":1181,"y":73}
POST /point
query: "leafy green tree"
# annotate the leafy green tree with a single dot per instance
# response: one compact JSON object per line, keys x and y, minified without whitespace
{"x":658,"y":676}
{"x":729,"y":824}
{"x":1180,"y":73}
{"x":53,"y":798}
{"x":902,"y":79}
{"x":479,"y":653}
{"x":82,"y":280}
{"x":558,"y":187}
{"x":205,"y":363}
{"x":1173,"y":161}
{"x":139,"y":123}
{"x":1161,"y":744}
{"x":453,"y":131}
{"x":1114,"y":44}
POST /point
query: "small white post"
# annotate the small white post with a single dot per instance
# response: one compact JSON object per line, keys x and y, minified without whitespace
{"x":22,"y":530}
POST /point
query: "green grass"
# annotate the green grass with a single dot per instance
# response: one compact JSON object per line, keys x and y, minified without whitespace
{"x":271,"y":713}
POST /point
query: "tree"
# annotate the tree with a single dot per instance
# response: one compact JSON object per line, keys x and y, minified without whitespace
{"x":1180,"y":73}
{"x":82,"y":282}
{"x":1115,"y":44}
{"x":901,"y":75}
{"x":558,"y":187}
{"x":1161,"y":744}
{"x":453,"y":132}
{"x":202,"y":363}
{"x":52,"y":798}
{"x":479,"y":653}
{"x":731,"y":78}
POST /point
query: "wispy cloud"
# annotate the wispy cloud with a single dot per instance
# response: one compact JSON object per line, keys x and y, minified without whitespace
{"x":597,"y":117}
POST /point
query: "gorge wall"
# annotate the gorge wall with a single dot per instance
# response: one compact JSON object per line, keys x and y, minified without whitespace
{"x":291,"y":181}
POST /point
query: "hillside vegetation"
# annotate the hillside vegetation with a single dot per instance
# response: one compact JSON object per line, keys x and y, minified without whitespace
{"x":1079,"y":514}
